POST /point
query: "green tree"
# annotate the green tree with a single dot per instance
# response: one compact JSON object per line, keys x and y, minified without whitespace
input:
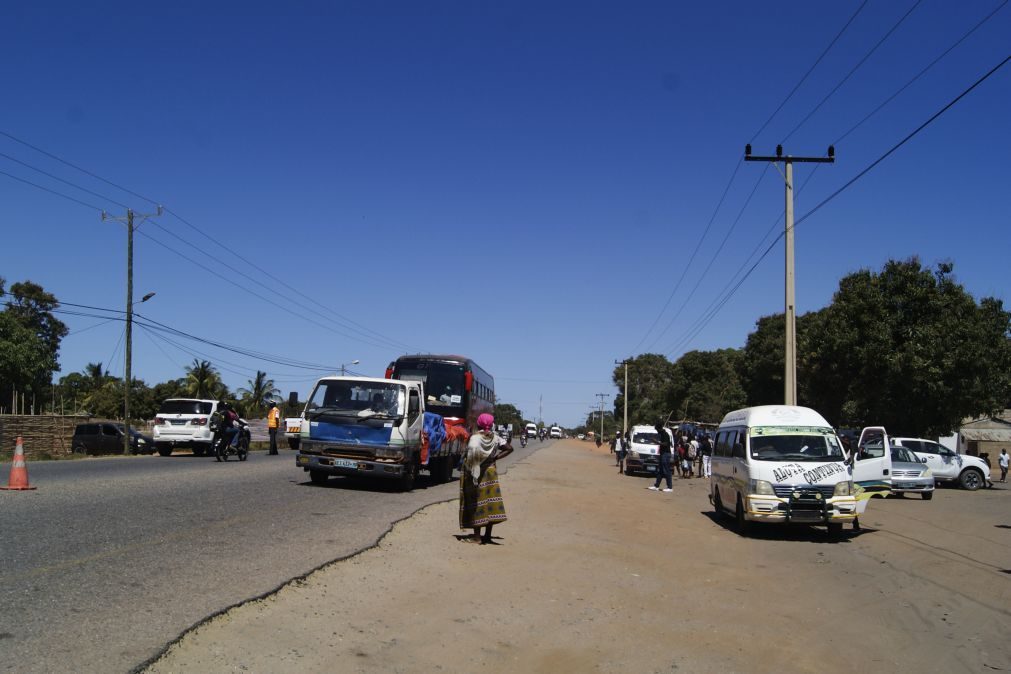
{"x":506,"y":414}
{"x":920,"y":353}
{"x":30,"y":356}
{"x":650,"y":376}
{"x":705,"y":385}
{"x":259,"y":389}
{"x":203,"y":380}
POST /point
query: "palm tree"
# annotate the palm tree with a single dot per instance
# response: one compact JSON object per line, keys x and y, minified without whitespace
{"x":95,"y":375}
{"x":258,"y":391}
{"x":202,"y":380}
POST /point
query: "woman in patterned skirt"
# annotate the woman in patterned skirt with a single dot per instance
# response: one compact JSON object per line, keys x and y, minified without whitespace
{"x":481,"y":502}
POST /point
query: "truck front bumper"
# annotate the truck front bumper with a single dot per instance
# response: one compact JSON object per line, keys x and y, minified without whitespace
{"x":362,"y":467}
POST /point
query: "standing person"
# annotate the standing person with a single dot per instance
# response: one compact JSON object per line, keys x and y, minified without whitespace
{"x":1002,"y":461}
{"x":480,"y":495}
{"x":693,"y":453}
{"x":614,"y":443}
{"x":273,"y":422}
{"x":665,"y":454}
{"x":707,"y":456}
{"x":619,"y":452}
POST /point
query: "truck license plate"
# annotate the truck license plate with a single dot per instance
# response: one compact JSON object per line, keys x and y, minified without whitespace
{"x":651,"y":468}
{"x":345,"y":463}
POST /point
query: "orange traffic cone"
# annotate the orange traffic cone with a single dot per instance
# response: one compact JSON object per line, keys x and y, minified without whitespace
{"x":19,"y":470}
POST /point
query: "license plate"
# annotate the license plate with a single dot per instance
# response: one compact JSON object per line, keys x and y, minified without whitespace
{"x":345,"y":463}
{"x":303,"y":459}
{"x":651,"y":468}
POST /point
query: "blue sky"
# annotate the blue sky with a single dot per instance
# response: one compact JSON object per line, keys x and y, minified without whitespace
{"x":521,"y":182}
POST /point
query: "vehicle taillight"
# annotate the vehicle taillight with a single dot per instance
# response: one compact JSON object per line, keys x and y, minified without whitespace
{"x":160,"y":420}
{"x":468,"y":380}
{"x":200,"y":421}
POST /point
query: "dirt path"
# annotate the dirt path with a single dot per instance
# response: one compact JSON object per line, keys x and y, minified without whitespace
{"x":593,"y":572}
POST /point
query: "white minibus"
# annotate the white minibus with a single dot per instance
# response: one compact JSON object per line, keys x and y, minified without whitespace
{"x":781,"y":463}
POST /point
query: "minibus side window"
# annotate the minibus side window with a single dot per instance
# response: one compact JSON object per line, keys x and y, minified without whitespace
{"x":722,"y":444}
{"x":738,"y":450}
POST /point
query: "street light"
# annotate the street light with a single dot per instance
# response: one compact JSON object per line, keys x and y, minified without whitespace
{"x":344,"y":365}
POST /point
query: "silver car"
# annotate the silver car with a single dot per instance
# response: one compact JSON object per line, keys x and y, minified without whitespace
{"x":909,"y":474}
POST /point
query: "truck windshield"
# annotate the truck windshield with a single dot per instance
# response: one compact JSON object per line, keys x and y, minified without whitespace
{"x":357,"y":398}
{"x":782,"y":443}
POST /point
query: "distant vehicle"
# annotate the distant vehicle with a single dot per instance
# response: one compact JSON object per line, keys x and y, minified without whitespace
{"x":185,"y":422}
{"x":643,"y":451}
{"x":970,"y":472}
{"x":107,"y":438}
{"x":910,"y":475}
{"x":556,"y":432}
{"x":531,"y":430}
{"x":581,"y":436}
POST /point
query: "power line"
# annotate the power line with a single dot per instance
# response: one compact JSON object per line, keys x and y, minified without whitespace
{"x":853,"y":70}
{"x":52,"y":191}
{"x":922,"y":72}
{"x":286,"y":285}
{"x":848,"y":184}
{"x":691,"y":259}
{"x":65,"y":182}
{"x":842,"y":30}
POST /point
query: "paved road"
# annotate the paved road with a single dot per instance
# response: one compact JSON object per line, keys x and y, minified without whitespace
{"x":111,"y":559}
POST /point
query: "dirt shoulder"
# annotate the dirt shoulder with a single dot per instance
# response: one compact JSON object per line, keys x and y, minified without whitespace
{"x":593,"y":572}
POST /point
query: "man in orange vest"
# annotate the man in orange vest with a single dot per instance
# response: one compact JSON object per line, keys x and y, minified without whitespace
{"x":273,"y":422}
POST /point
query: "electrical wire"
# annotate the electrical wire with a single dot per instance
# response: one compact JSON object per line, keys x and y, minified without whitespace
{"x":810,"y":70}
{"x":852,"y":70}
{"x":705,"y":233}
{"x":52,"y":191}
{"x":849,"y":184}
{"x":65,"y":182}
{"x":922,"y":72}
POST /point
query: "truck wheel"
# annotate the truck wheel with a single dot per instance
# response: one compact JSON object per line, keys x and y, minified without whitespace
{"x":318,"y":477}
{"x":165,"y":450}
{"x":293,"y":443}
{"x":409,"y":476}
{"x":442,"y":471}
{"x":927,"y":495}
{"x":971,"y":479}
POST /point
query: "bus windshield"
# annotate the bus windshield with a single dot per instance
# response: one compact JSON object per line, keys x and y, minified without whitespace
{"x":444,"y":382}
{"x":783,"y":443}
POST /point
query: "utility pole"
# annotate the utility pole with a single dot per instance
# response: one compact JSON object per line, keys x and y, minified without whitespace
{"x":790,"y":303}
{"x":624,"y":426}
{"x":128,"y":221}
{"x":540,"y":410}
{"x":602,"y":396}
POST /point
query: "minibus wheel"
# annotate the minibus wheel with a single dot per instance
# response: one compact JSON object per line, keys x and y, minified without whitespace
{"x":742,"y":524}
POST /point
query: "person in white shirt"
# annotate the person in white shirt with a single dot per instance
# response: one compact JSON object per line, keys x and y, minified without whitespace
{"x":1002,"y":461}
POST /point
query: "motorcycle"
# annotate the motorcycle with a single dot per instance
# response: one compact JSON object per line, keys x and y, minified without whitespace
{"x":523,"y":440}
{"x":239,"y":445}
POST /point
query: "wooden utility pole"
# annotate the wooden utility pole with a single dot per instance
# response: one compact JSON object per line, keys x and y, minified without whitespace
{"x":129,"y":222}
{"x":790,"y":303}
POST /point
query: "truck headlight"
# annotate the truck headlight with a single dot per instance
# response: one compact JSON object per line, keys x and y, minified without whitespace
{"x":762,"y":487}
{"x":843,"y":488}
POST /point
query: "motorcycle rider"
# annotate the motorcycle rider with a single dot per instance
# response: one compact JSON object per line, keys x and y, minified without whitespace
{"x":228,"y":424}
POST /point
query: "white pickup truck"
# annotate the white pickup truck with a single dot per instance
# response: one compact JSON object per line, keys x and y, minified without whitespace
{"x":375,"y":428}
{"x":970,"y":472}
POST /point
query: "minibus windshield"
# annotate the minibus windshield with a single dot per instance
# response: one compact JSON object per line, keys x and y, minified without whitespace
{"x":781,"y":443}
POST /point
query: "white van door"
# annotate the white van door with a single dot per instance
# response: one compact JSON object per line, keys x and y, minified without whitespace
{"x":872,"y":465}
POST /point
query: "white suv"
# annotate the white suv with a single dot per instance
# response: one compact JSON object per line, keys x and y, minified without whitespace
{"x":184,"y":422}
{"x":971,"y":472}
{"x":556,"y":432}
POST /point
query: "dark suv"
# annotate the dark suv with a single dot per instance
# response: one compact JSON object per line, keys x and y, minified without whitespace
{"x":107,"y":438}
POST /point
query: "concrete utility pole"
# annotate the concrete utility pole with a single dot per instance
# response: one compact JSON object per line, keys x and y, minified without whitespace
{"x":790,"y":304}
{"x":624,"y":426}
{"x":128,"y":221}
{"x":602,"y":396}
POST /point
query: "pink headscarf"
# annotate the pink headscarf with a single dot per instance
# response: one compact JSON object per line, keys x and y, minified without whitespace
{"x":485,"y":422}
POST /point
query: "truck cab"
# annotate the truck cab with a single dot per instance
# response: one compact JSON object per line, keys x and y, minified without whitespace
{"x":362,"y":426}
